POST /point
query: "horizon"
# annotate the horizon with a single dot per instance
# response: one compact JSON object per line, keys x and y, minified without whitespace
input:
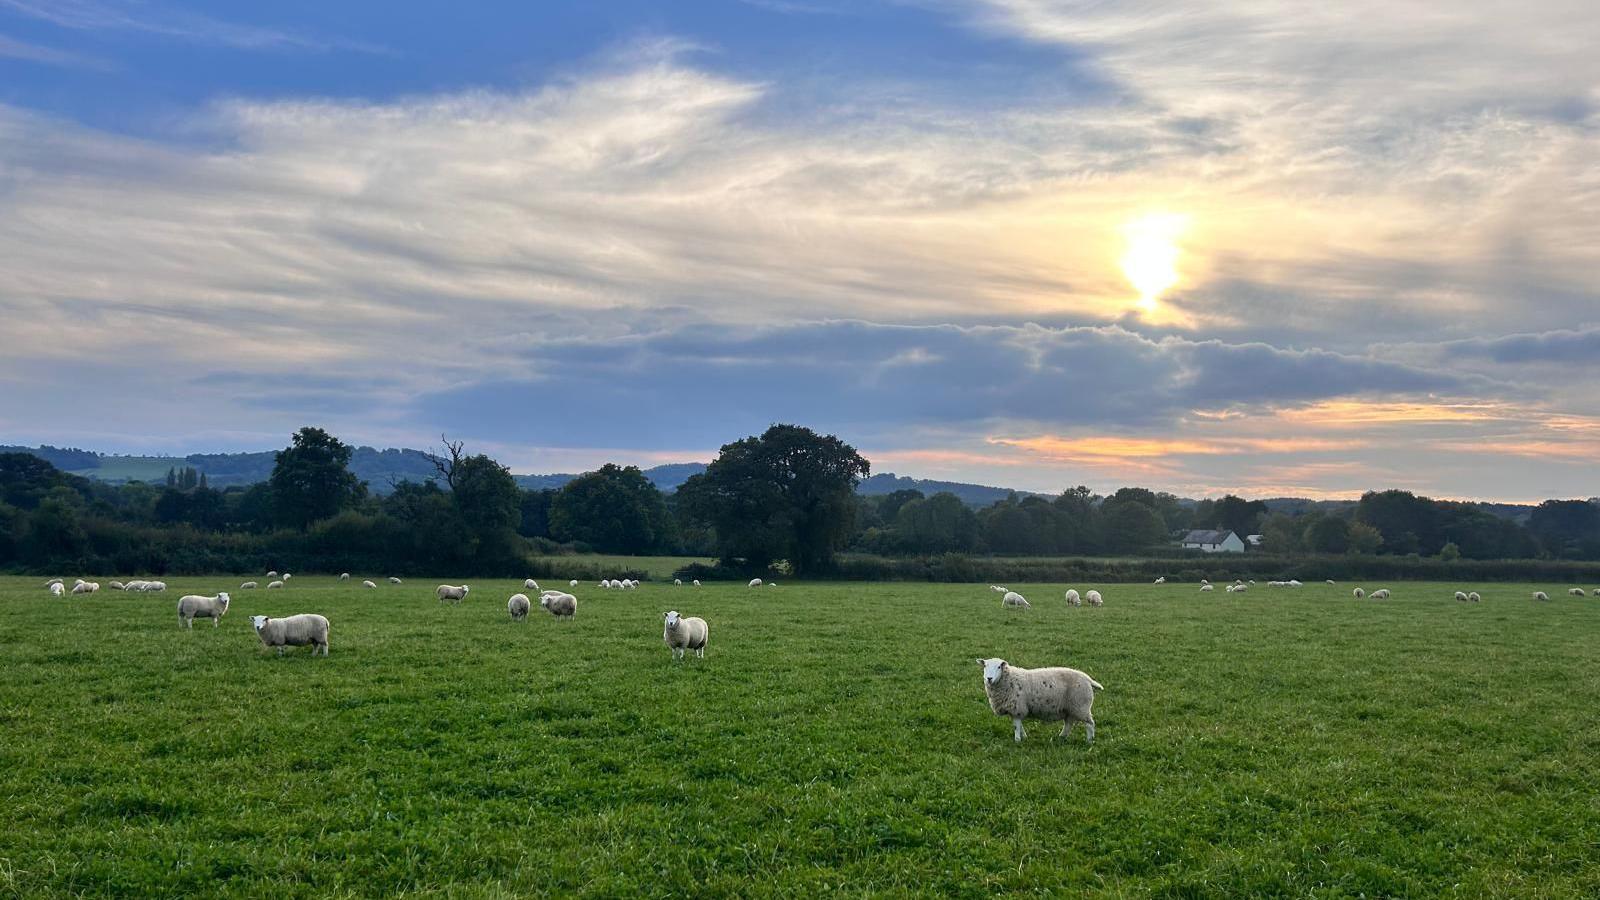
{"x":1272,"y":252}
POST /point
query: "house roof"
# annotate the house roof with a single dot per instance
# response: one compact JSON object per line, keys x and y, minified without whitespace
{"x":1206,"y":537}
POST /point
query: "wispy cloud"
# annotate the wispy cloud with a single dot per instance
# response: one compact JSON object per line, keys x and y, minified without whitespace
{"x":11,"y":48}
{"x":168,"y":21}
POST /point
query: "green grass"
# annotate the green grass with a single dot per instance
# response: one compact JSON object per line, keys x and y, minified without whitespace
{"x":835,"y":739}
{"x":151,"y":469}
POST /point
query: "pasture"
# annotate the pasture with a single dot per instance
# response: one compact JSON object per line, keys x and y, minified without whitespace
{"x":834,"y":739}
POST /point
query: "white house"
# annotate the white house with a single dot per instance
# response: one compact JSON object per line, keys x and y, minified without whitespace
{"x":1213,"y":542}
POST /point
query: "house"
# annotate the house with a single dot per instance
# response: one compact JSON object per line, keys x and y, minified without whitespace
{"x":1213,"y":542}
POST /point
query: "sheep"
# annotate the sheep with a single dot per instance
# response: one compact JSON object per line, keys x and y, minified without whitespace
{"x":453,"y":594}
{"x":157,"y":586}
{"x":1012,"y":598}
{"x":572,"y":583}
{"x":1537,"y":595}
{"x":1294,"y":583}
{"x":1093,"y":598}
{"x":518,"y":606}
{"x":274,"y":585}
{"x":755,"y":582}
{"x":287,"y":576}
{"x":998,"y":589}
{"x":772,"y":584}
{"x":677,"y":582}
{"x":1203,"y":581}
{"x":393,"y":580}
{"x":1597,"y":592}
{"x":530,"y":584}
{"x":293,"y":631}
{"x":272,"y":574}
{"x":1053,"y":694}
{"x":1204,"y":588}
{"x":1161,"y":580}
{"x":629,"y":584}
{"x":696,"y":583}
{"x":116,"y":585}
{"x":1474,"y":598}
{"x":86,"y":587}
{"x":562,"y":606}
{"x":368,"y":584}
{"x":1380,"y":594}
{"x":682,"y":634}
{"x":1461,"y":596}
{"x":1576,"y":592}
{"x":194,"y":606}
{"x":57,"y":589}
{"x":50,"y":582}
{"x":135,"y":585}
{"x":1073,"y":599}
{"x":1358,"y":593}
{"x":1330,"y":582}
{"x":248,"y":586}
{"x":605,"y":583}
{"x":344,"y":576}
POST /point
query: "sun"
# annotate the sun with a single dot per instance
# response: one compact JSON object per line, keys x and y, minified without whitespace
{"x":1150,"y":261}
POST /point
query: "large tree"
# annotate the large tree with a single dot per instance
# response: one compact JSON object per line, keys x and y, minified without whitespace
{"x":311,"y":479}
{"x":788,"y":494}
{"x":615,"y":509}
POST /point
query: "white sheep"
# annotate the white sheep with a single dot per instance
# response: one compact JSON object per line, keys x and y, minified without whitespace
{"x":696,"y":583}
{"x":1161,"y":580}
{"x":452,"y":593}
{"x":116,"y":585}
{"x":682,"y":634}
{"x":393,"y":580}
{"x":272,"y":574}
{"x":287,"y":576}
{"x":1012,"y":598}
{"x":530,"y":584}
{"x":368,"y":584}
{"x":1072,"y":598}
{"x":605,"y":583}
{"x":1380,"y":594}
{"x":1474,"y":598}
{"x":998,"y":589}
{"x":1358,"y":593}
{"x":1576,"y":592}
{"x":755,"y":582}
{"x":1204,"y":588}
{"x":1093,"y":598}
{"x":57,"y":589}
{"x":1540,"y":595}
{"x":86,"y":587}
{"x":274,"y":585}
{"x":1597,"y":592}
{"x":248,"y":586}
{"x":293,"y":631}
{"x":518,"y":606}
{"x":344,"y":576}
{"x":1294,"y":583}
{"x":135,"y":585}
{"x":1053,"y":694}
{"x":50,"y":582}
{"x":558,"y":604}
{"x":572,"y":583}
{"x":677,"y":582}
{"x":629,"y":584}
{"x":1330,"y":582}
{"x":194,"y":606}
{"x":157,"y":586}
{"x":1461,"y":596}
{"x":1203,"y":581}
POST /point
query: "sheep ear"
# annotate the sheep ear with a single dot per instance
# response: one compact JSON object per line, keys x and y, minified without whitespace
{"x":978,"y":661}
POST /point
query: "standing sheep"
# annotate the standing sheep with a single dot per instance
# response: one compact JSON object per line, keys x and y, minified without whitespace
{"x":697,"y":584}
{"x":1161,"y":580}
{"x":530,"y":584}
{"x":1072,"y":598}
{"x":518,"y":606}
{"x":677,"y":582}
{"x":1012,"y":598}
{"x":248,"y":586}
{"x":344,"y":576}
{"x":194,"y":606}
{"x":57,"y":589}
{"x":393,"y":580}
{"x":1358,"y":593}
{"x":755,"y":582}
{"x":1540,"y":595}
{"x":1473,"y":597}
{"x":116,"y":585}
{"x":368,"y":584}
{"x":1093,"y":598}
{"x":293,"y":631}
{"x":86,"y":587}
{"x":682,"y":634}
{"x":452,"y":593}
{"x":572,"y":583}
{"x":1053,"y":694}
{"x":1576,"y":592}
{"x":274,"y":585}
{"x":272,"y":574}
{"x":1461,"y":596}
{"x":562,"y":606}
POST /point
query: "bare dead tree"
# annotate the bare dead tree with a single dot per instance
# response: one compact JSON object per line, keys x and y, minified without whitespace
{"x":447,"y":466}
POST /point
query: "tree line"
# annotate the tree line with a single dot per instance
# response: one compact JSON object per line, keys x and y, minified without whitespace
{"x":785,"y":497}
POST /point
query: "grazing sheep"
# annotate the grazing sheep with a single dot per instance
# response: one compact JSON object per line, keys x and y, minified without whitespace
{"x":194,"y":606}
{"x":248,"y":586}
{"x":1597,"y":592}
{"x":50,"y":582}
{"x":287,"y":576}
{"x":682,"y":634}
{"x":344,"y":576}
{"x":1073,"y":599}
{"x":393,"y":580}
{"x":86,"y":587}
{"x":518,"y":606}
{"x":1294,"y":583}
{"x":1203,"y":581}
{"x":157,"y":586}
{"x":696,"y":583}
{"x":562,"y":606}
{"x":1161,"y":580}
{"x":274,"y":585}
{"x":1053,"y":694}
{"x":1206,"y":587}
{"x":135,"y":585}
{"x":1093,"y":598}
{"x":368,"y":584}
{"x":1540,"y":595}
{"x":454,"y":594}
{"x":1330,"y":582}
{"x":293,"y":631}
{"x":116,"y":585}
{"x":677,"y":582}
{"x":272,"y":574}
{"x":755,"y":582}
{"x":629,"y":584}
{"x":1358,"y":593}
{"x":572,"y":583}
{"x":1380,"y":594}
{"x":1012,"y":598}
{"x":998,"y":589}
{"x":1576,"y":592}
{"x":1473,"y":597}
{"x":57,"y":589}
{"x":531,"y":585}
{"x":1461,"y":596}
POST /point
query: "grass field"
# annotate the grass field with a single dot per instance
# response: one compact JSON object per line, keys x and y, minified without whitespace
{"x":834,"y":739}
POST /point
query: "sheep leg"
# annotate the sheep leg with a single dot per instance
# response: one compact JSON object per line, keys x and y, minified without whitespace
{"x":1066,"y":726}
{"x":280,"y":649}
{"x":1089,"y":726}
{"x":216,"y":621}
{"x":1016,"y":729}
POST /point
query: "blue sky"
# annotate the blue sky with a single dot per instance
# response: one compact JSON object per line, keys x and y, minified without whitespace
{"x":1266,"y":247}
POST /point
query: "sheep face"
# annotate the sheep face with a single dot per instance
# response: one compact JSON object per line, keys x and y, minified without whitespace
{"x":258,"y":622}
{"x":672,"y":619}
{"x":993,"y":669}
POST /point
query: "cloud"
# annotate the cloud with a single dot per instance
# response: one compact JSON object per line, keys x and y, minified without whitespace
{"x":11,"y":48}
{"x":90,"y":15}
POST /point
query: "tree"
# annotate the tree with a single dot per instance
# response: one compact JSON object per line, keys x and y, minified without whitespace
{"x":1450,"y":552}
{"x":1280,"y":534}
{"x":1568,"y":528}
{"x":1364,"y":539}
{"x":1408,"y":523}
{"x":939,"y":524}
{"x":535,"y":509}
{"x":311,"y":479}
{"x":1328,"y":534}
{"x":788,"y":494}
{"x":489,"y":502}
{"x":1238,"y":515}
{"x":1131,"y":526}
{"x":615,"y":509}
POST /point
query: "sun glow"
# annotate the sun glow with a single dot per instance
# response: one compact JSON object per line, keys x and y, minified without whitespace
{"x":1151,"y":259}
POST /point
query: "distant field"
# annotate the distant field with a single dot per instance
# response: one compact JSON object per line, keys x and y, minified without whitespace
{"x":659,"y":567}
{"x":835,"y":739}
{"x":151,"y":469}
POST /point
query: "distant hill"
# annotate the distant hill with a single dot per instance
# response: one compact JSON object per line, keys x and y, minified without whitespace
{"x":971,"y":494}
{"x":668,"y":477}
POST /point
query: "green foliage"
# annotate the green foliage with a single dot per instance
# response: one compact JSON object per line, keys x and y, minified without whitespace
{"x":613,"y":510}
{"x":1327,"y":534}
{"x":1131,"y":525}
{"x":1363,"y":538}
{"x":311,"y":479}
{"x":1450,"y":552}
{"x":1379,"y":749}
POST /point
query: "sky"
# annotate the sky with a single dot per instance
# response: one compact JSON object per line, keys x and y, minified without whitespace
{"x":1264,"y":247}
